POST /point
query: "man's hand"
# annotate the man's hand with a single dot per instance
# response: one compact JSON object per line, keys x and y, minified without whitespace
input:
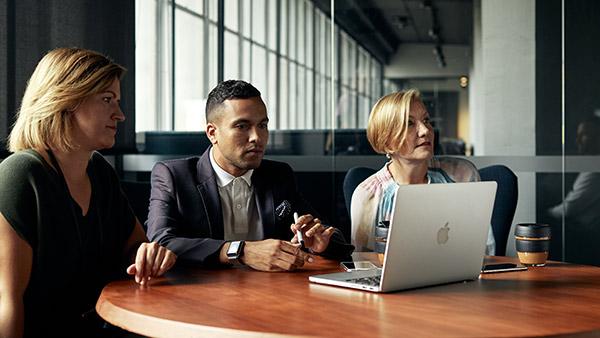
{"x":151,"y":260}
{"x":274,"y":255}
{"x":316,"y":236}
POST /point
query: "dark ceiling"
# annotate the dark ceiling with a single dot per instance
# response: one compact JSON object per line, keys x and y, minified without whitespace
{"x":382,"y":25}
{"x":411,"y":20}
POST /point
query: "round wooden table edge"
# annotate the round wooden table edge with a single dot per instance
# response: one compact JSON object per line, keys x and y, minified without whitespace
{"x":160,"y":327}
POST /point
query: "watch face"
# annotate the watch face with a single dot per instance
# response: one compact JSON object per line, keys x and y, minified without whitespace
{"x":233,"y":248}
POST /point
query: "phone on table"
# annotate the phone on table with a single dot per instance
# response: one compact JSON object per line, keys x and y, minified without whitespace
{"x":359,"y":265}
{"x":502,"y":267}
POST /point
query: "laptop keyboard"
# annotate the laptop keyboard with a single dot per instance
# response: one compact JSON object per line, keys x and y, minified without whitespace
{"x":372,"y":281}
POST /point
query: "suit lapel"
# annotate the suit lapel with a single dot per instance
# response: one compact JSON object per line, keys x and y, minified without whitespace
{"x":264,"y":200}
{"x":209,"y":194}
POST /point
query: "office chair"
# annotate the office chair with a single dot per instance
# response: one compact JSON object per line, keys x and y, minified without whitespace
{"x":505,"y":202}
{"x":352,"y":179}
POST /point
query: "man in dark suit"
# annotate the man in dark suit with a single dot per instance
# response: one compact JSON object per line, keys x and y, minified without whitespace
{"x":230,"y":205}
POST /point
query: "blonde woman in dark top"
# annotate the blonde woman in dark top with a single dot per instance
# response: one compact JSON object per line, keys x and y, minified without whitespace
{"x":66,"y":229}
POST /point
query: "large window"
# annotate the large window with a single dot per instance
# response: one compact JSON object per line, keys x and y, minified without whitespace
{"x":283,"y":47}
{"x":176,"y":58}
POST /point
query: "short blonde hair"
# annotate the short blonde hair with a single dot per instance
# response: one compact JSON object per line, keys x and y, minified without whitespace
{"x":61,"y":81}
{"x":388,"y":121}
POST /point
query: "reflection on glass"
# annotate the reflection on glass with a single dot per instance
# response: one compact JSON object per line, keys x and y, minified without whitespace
{"x":581,"y":206}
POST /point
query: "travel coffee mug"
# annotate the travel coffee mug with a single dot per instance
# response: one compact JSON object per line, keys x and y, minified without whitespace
{"x":532,"y":243}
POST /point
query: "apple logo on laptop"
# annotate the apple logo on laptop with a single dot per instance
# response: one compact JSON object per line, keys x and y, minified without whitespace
{"x":442,"y":235}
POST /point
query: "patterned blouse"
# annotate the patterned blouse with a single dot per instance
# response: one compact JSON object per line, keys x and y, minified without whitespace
{"x":373,"y":199}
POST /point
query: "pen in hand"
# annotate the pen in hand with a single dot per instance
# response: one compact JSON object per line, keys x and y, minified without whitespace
{"x":299,"y":232}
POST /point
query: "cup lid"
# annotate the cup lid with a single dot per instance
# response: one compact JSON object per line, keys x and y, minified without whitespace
{"x":532,"y":230}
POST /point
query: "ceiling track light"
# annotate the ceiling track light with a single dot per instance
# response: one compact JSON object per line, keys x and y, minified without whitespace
{"x":400,"y":21}
{"x":439,"y":55}
{"x":434,"y":34}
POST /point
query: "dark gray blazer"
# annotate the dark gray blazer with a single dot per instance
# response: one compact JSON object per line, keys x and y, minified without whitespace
{"x":185,"y":208}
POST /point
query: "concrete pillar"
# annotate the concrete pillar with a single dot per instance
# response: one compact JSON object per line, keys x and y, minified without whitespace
{"x":502,"y":89}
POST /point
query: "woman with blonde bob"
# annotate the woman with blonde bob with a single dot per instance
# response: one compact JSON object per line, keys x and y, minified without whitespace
{"x":399,"y":127}
{"x":66,"y":229}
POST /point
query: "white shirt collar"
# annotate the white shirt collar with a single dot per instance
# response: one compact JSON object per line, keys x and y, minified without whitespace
{"x":223,"y":177}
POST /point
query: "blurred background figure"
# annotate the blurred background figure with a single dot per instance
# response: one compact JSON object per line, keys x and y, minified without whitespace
{"x":581,"y":206}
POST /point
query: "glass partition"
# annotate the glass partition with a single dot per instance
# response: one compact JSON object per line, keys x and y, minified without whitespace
{"x":579,"y":211}
{"x":490,"y":72}
{"x":490,"y":75}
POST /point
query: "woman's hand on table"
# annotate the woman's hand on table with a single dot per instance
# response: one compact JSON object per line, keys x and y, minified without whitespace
{"x":151,"y":260}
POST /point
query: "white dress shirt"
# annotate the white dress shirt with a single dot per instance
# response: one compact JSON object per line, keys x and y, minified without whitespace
{"x":241,"y":220}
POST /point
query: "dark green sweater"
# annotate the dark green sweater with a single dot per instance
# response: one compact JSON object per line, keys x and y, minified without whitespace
{"x":74,"y":256}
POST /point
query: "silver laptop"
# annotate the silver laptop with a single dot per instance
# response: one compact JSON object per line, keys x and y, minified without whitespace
{"x":437,"y":235}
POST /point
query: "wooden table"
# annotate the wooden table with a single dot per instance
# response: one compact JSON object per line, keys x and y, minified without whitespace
{"x":559,"y":299}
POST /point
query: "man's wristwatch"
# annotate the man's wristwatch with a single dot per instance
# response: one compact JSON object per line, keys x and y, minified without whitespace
{"x":235,"y":251}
